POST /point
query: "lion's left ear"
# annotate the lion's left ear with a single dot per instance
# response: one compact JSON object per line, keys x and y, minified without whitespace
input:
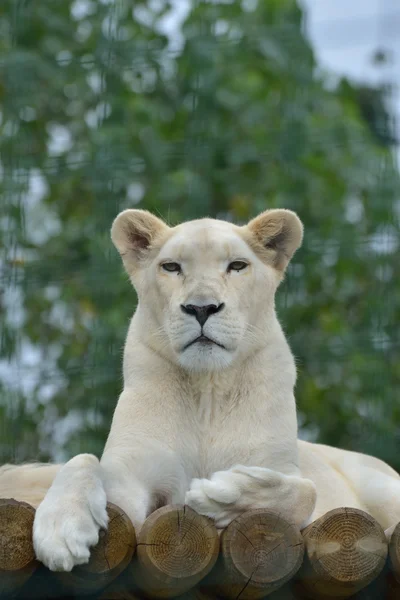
{"x":275,"y":235}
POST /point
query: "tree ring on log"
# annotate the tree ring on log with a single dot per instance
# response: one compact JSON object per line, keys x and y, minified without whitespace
{"x":260,"y":552}
{"x":176,"y":548}
{"x":17,"y":556}
{"x":346,"y":549}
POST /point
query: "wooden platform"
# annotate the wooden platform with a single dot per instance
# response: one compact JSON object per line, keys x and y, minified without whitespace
{"x":180,"y":554}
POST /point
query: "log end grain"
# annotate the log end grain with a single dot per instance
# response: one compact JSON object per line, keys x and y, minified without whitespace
{"x":260,"y":552}
{"x":176,"y":549}
{"x":17,"y":556}
{"x":346,"y":549}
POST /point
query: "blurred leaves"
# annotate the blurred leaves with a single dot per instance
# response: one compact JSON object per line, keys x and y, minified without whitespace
{"x":104,"y":108}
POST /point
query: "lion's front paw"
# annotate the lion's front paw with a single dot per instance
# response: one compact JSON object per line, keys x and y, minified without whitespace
{"x":63,"y":534}
{"x":214,"y":498}
{"x":68,"y":521}
{"x":227,"y":494}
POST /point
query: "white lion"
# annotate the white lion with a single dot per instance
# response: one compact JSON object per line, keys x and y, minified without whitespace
{"x":207,"y":416}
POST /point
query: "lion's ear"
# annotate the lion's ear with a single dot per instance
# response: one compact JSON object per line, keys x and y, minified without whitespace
{"x":135,"y":233}
{"x":275,"y":235}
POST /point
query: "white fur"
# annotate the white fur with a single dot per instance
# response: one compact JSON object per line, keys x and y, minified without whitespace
{"x":70,"y":533}
{"x":211,"y":427}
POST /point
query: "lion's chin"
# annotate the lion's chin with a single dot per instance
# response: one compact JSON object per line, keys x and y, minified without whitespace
{"x":205,"y":357}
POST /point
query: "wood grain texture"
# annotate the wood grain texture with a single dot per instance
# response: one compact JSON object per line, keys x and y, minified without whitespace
{"x":346,"y":549}
{"x":180,"y":555}
{"x":176,"y":549}
{"x":17,"y":557}
{"x":260,"y":552}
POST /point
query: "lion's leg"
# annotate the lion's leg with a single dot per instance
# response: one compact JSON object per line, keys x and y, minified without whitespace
{"x":68,"y":520}
{"x":142,"y":477}
{"x":128,"y":491}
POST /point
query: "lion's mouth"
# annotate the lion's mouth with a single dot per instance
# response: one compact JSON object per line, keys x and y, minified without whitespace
{"x":204,"y":341}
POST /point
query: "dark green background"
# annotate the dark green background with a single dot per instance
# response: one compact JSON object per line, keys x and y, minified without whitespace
{"x":235,"y":119}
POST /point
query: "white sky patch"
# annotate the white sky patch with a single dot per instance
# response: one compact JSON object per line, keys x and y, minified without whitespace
{"x":346,"y":35}
{"x":95,"y":82}
{"x":37,"y":190}
{"x":171,"y":23}
{"x":60,"y":139}
{"x":64,"y":58}
{"x":96,"y":116}
{"x":31,"y":365}
{"x":67,"y":426}
{"x":27,"y":113}
{"x":12,"y":301}
{"x":354,"y":210}
{"x":41,"y":220}
{"x":82,"y":8}
{"x":10,"y":128}
{"x":135,"y":192}
{"x":384,"y":273}
{"x":83,"y":31}
{"x":60,"y":317}
{"x":56,"y":432}
{"x":385,"y":241}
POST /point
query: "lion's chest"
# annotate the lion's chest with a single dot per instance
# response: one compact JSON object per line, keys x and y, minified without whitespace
{"x":220,"y":431}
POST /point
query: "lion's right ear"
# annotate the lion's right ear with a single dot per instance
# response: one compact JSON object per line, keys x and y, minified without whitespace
{"x":275,"y":236}
{"x":135,"y":233}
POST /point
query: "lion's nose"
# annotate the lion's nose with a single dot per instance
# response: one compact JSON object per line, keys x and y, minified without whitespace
{"x":201,"y":312}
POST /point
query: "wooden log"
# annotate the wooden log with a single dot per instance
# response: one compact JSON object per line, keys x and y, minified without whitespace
{"x":17,"y":557}
{"x":118,"y":591}
{"x":346,"y":549}
{"x":376,"y":590}
{"x":123,"y":588}
{"x":393,"y":575}
{"x":197,"y":594}
{"x":287,"y":592}
{"x":260,"y":552}
{"x":42,"y":585}
{"x":176,"y":549}
{"x":108,"y":558}
{"x":394,"y":552}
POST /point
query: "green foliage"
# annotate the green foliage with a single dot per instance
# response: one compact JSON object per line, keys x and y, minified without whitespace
{"x":102,"y":111}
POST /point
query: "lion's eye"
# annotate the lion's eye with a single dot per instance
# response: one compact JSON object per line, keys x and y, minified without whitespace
{"x":171,"y":267}
{"x":237,"y":265}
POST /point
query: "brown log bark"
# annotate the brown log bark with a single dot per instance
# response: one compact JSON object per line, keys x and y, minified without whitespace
{"x":394,"y":552}
{"x":119,"y":591}
{"x":393,"y":576}
{"x":43,"y":585}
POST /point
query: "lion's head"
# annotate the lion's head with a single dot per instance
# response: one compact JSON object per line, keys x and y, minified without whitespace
{"x":206,"y":287}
